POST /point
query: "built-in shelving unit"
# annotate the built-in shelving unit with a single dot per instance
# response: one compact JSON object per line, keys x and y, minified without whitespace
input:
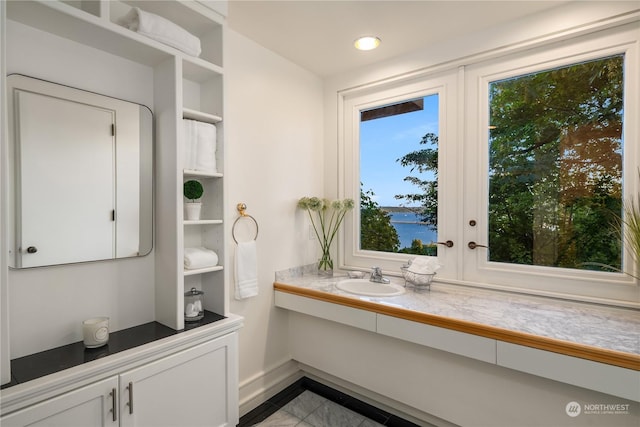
{"x":183,"y":86}
{"x":84,"y":44}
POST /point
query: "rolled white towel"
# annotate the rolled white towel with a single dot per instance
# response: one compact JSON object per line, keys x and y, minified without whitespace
{"x":195,"y":258}
{"x":162,"y":30}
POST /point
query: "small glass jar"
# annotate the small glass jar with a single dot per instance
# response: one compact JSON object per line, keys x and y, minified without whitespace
{"x":193,"y":305}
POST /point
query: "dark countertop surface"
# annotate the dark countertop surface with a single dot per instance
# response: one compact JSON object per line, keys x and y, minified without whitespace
{"x":47,"y":362}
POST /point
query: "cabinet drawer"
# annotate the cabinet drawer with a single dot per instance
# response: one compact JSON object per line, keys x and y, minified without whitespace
{"x":621,"y":382}
{"x":461,"y":343}
{"x":325,"y":310}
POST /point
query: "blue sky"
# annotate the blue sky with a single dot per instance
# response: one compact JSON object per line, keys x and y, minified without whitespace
{"x":384,"y":140}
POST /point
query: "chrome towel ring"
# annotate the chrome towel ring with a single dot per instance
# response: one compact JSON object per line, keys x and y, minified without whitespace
{"x":241,"y":207}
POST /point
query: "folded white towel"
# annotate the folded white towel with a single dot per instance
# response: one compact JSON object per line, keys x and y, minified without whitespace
{"x":423,"y":265}
{"x":200,"y":144}
{"x":246,"y":270}
{"x":188,"y":131}
{"x":162,"y":30}
{"x":205,"y":150}
{"x":195,"y":258}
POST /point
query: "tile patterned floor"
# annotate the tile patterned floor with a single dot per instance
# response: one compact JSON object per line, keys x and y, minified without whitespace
{"x":311,"y":410}
{"x":308,"y":403}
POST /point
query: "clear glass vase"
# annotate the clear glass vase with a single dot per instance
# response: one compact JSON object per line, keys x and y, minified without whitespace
{"x":325,"y":264}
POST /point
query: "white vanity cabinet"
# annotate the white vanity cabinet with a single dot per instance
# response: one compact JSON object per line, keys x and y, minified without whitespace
{"x":91,"y":405}
{"x":196,"y":386}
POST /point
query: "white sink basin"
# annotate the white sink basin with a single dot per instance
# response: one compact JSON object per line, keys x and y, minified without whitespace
{"x":372,"y":289}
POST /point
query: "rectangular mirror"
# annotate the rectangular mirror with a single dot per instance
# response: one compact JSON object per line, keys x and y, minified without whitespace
{"x":81,"y":175}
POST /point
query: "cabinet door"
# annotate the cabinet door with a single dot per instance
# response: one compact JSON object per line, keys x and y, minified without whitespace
{"x":195,"y":387}
{"x":87,"y":406}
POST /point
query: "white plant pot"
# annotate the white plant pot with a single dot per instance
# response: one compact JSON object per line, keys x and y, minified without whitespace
{"x":192,"y":211}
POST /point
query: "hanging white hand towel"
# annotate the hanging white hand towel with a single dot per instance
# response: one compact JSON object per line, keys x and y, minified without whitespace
{"x":246,"y":270}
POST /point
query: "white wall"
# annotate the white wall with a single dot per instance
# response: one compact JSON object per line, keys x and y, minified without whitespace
{"x":273,"y":153}
{"x":47,"y":304}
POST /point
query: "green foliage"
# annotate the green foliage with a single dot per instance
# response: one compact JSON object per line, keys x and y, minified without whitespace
{"x":193,"y":190}
{"x":421,"y":161}
{"x":555,"y":166}
{"x":376,"y":231}
{"x":417,"y":248}
{"x":555,"y":169}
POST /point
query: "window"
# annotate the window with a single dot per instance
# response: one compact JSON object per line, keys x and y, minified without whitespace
{"x":533,"y":156}
{"x":398,"y":175}
{"x":555,"y":166}
{"x":398,"y":139}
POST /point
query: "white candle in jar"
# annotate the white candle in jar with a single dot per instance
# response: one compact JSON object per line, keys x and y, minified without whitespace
{"x":95,"y":332}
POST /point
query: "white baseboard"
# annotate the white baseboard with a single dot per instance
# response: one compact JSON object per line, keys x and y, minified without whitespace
{"x":265,"y":384}
{"x":257,"y":389}
{"x":394,"y":407}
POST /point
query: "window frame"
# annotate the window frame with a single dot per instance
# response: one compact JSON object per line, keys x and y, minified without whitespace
{"x":463,"y":167}
{"x":554,"y":281}
{"x":443,"y":84}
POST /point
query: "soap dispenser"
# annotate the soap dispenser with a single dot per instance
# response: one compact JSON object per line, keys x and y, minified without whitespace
{"x":193,"y":305}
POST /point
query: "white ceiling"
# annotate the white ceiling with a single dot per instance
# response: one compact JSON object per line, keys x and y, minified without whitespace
{"x":318,"y":34}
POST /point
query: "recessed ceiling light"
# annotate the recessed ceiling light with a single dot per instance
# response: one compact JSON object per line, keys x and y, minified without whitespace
{"x":367,"y":43}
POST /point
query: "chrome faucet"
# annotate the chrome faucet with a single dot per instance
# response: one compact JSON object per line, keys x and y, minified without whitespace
{"x":376,"y":276}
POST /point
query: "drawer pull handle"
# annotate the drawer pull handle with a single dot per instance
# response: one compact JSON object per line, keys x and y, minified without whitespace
{"x":130,"y":387}
{"x":114,"y":404}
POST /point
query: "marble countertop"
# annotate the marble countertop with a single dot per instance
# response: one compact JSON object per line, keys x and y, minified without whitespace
{"x":585,"y":324}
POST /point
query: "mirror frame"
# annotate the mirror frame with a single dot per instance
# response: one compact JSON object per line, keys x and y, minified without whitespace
{"x":144,"y":146}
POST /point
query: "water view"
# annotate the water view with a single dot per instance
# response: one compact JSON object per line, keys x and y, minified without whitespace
{"x":409,"y":228}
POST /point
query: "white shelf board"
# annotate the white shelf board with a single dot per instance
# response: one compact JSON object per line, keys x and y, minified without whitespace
{"x":203,"y":222}
{"x":191,"y":172}
{"x":188,"y":113}
{"x":199,"y":70}
{"x":202,"y":270}
{"x":75,"y":24}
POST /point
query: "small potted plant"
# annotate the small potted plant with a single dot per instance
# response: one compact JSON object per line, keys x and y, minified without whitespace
{"x":193,"y":191}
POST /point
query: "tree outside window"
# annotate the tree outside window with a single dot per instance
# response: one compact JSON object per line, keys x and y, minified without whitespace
{"x":555,"y":166}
